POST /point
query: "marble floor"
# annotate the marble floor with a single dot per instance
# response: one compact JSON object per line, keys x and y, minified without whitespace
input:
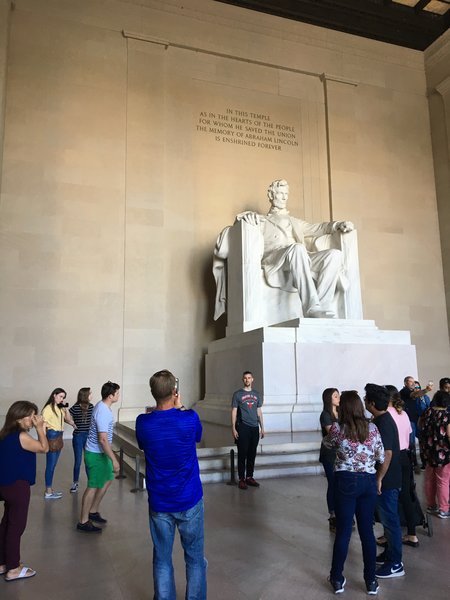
{"x":270,"y":543}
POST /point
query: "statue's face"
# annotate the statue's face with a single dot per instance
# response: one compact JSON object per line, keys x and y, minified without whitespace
{"x":280,"y":196}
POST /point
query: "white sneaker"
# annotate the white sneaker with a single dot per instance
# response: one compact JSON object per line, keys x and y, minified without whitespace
{"x":53,"y":495}
{"x":74,"y":487}
{"x":442,"y":514}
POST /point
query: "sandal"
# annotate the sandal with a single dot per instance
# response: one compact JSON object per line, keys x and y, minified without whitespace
{"x":407,"y":542}
{"x":3,"y":570}
{"x":25,"y":573}
{"x":381,"y":541}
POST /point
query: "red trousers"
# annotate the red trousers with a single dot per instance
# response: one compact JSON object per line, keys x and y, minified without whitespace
{"x":17,"y":499}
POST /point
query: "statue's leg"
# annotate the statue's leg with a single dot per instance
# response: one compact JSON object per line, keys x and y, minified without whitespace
{"x":327,"y":264}
{"x":298,"y":263}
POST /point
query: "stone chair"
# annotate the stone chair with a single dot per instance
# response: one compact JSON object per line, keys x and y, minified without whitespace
{"x":251,"y":303}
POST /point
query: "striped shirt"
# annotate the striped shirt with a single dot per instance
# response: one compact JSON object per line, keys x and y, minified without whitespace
{"x":81,"y":419}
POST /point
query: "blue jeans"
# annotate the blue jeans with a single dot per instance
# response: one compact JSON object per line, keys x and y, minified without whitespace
{"x":162,"y":528}
{"x":328,"y":467}
{"x":387,"y":507}
{"x":354,"y":494}
{"x":78,"y":443}
{"x":51,"y":459}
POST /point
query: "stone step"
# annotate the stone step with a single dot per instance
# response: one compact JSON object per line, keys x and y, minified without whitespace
{"x":273,"y":460}
{"x":268,"y":472}
{"x":285,"y":458}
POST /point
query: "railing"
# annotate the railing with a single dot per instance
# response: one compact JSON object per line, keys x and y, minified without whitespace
{"x":138,"y":477}
{"x":232,"y":471}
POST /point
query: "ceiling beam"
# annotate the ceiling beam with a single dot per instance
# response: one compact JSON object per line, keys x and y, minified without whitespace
{"x":421,"y":5}
{"x":392,"y":22}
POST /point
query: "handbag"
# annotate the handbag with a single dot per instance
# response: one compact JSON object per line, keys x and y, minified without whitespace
{"x":55,"y":444}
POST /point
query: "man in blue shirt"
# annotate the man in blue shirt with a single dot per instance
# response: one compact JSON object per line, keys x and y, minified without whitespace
{"x":168,"y":437}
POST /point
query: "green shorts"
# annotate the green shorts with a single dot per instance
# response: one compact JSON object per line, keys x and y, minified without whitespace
{"x":99,"y":468}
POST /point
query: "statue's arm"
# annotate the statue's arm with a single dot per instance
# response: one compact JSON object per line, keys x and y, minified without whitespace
{"x":318,"y":229}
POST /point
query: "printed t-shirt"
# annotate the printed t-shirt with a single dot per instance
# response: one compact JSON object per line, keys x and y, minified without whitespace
{"x":247,"y":404}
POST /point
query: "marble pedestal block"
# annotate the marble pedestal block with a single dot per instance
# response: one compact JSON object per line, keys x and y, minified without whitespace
{"x":293,"y":364}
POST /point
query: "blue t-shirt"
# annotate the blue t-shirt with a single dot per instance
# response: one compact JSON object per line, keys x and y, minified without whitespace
{"x":102,"y":422}
{"x":168,"y":439}
{"x":16,"y":464}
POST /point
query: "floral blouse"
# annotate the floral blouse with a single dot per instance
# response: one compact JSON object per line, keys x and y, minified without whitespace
{"x":434,"y":441}
{"x":353,"y":456}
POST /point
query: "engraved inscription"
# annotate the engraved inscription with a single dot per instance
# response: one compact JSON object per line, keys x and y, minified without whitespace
{"x":246,"y":128}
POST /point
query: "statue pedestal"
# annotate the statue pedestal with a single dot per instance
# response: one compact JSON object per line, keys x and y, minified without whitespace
{"x":293,"y":364}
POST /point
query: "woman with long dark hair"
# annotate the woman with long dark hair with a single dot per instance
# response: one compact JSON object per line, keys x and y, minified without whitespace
{"x":358,"y":449}
{"x":81,"y":413}
{"x":55,"y":415}
{"x":17,"y":473}
{"x":327,"y":456}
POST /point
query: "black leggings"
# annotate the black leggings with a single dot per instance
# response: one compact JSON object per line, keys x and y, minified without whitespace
{"x":406,"y":497}
{"x":247,"y":444}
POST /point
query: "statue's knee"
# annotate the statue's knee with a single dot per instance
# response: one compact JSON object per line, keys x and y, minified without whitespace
{"x":335,"y":255}
{"x":300,"y":251}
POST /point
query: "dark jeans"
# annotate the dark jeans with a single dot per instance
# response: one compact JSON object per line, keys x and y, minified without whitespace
{"x":78,"y":443}
{"x":328,"y":467}
{"x":354,"y":494}
{"x":387,"y":506}
{"x":406,"y":493}
{"x":247,"y":443}
{"x":17,"y":499}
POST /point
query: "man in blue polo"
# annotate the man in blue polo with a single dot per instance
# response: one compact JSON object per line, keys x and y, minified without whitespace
{"x":168,"y":437}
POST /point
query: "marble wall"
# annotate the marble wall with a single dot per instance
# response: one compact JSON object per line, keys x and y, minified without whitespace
{"x":122,"y":162}
{"x":5,"y":19}
{"x":437,"y":66}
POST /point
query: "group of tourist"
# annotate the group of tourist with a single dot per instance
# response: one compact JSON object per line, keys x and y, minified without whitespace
{"x":369,"y":468}
{"x":368,"y":465}
{"x":56,"y":413}
{"x":92,"y":434}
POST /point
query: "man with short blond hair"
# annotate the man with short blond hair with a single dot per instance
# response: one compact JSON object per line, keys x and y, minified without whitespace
{"x":168,"y":437}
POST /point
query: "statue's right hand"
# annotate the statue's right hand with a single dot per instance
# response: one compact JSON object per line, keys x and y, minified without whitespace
{"x":250,"y":217}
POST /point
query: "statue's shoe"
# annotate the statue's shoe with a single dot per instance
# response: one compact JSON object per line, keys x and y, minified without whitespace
{"x":320,"y":313}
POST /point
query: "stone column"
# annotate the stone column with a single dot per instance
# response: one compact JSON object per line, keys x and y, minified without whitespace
{"x":5,"y":20}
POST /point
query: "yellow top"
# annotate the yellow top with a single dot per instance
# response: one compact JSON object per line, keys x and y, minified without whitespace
{"x":54,"y":421}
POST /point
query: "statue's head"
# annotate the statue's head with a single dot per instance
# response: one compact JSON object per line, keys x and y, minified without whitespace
{"x":278,"y":193}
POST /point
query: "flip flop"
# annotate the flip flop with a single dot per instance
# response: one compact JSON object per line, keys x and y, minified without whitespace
{"x":3,"y":571}
{"x":25,"y":573}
